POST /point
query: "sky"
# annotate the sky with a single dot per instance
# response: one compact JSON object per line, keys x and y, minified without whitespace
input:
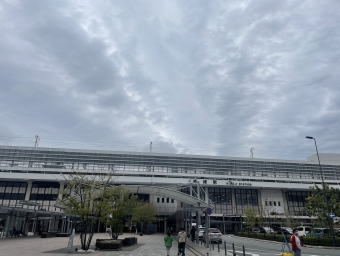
{"x":192,"y":77}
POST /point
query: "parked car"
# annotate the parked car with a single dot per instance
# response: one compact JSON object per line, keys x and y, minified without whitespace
{"x":267,"y":230}
{"x":214,"y":235}
{"x":303,"y":230}
{"x":285,"y":230}
{"x":255,"y":230}
{"x":318,"y":232}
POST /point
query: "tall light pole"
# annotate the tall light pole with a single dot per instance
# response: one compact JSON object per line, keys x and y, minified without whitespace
{"x":323,"y":190}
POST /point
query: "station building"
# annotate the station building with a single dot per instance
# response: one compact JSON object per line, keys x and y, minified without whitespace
{"x":31,"y":178}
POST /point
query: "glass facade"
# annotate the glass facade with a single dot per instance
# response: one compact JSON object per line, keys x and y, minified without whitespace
{"x":246,"y":198}
{"x":45,"y":193}
{"x":11,"y":192}
{"x":296,"y":201}
{"x":222,"y":197}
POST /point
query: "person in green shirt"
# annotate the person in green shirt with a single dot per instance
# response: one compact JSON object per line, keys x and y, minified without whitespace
{"x":168,"y":242}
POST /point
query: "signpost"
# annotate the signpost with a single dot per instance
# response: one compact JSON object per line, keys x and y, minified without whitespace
{"x":332,"y":215}
{"x":209,"y":211}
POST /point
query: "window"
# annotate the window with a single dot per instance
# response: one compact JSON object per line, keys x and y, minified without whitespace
{"x":157,"y":199}
{"x":222,"y":197}
{"x":167,"y":200}
{"x":266,"y":203}
{"x":172,"y":200}
{"x":270,"y":203}
{"x":296,"y":201}
{"x":274,"y":203}
{"x":279,"y":203}
{"x":162,"y":200}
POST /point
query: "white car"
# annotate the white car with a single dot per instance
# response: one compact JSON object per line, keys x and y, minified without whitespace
{"x":304,"y":230}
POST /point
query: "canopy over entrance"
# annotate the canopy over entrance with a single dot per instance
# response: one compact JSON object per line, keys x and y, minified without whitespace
{"x":169,"y":192}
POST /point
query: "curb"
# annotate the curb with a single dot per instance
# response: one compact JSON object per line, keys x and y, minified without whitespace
{"x":275,"y":242}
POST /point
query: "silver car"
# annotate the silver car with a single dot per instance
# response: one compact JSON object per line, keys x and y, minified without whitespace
{"x":214,"y":235}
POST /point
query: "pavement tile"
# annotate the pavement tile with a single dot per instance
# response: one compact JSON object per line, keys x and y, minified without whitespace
{"x":150,"y":245}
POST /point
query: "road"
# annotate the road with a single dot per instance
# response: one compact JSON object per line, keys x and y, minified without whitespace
{"x":267,"y":248}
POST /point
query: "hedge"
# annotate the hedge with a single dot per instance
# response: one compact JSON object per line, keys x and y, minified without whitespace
{"x":320,"y":241}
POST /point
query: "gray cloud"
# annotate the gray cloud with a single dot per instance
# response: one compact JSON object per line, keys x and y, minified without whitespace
{"x":198,"y":77}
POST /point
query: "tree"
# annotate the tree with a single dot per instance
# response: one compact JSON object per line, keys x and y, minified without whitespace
{"x":253,"y":217}
{"x":144,"y":214}
{"x":122,"y":204}
{"x":316,"y":205}
{"x":88,"y":197}
{"x":289,"y":220}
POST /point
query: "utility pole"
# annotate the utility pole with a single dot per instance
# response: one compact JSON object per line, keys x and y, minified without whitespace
{"x":37,"y":139}
{"x":150,"y":146}
{"x":324,"y":191}
{"x":252,"y":152}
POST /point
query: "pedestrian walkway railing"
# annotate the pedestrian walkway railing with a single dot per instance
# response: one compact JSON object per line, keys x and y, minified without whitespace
{"x":226,"y":248}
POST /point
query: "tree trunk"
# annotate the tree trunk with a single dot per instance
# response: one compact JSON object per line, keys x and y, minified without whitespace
{"x":85,"y":236}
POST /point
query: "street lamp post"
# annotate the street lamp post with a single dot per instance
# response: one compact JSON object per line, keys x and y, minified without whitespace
{"x":323,"y":190}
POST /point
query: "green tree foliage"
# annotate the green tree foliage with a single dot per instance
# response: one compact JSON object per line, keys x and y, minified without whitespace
{"x":316,"y":205}
{"x":253,"y":217}
{"x":121,"y":204}
{"x":144,"y":214}
{"x":88,"y":197}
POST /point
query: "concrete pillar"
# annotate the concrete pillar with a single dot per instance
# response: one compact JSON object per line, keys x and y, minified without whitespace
{"x":165,"y":227}
{"x":16,"y":219}
{"x":233,"y":200}
{"x":56,"y":223}
{"x":34,"y":226}
{"x":61,"y":188}
{"x":259,"y":198}
{"x":8,"y":225}
{"x":151,"y":199}
{"x":28,"y":191}
{"x":68,"y":224}
{"x":206,"y":189}
{"x":50,"y":226}
{"x":285,"y":202}
{"x":198,"y":223}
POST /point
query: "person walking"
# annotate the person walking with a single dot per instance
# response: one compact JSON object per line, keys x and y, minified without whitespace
{"x":168,"y":242}
{"x":182,"y":238}
{"x":193,"y":233}
{"x":296,"y":243}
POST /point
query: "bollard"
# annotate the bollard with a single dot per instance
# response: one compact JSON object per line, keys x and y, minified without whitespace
{"x":225,"y":248}
{"x":234,"y":253}
{"x":207,"y":254}
{"x":244,"y":251}
{"x":218,"y":246}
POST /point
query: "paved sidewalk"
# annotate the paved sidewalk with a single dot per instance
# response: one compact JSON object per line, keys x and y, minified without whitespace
{"x":213,"y":250}
{"x":147,"y":245}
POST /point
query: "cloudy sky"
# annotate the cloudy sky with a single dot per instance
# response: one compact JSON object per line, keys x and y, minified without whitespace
{"x":195,"y":77}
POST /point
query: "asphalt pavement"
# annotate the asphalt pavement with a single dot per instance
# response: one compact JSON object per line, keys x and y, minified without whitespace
{"x":254,"y":247}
